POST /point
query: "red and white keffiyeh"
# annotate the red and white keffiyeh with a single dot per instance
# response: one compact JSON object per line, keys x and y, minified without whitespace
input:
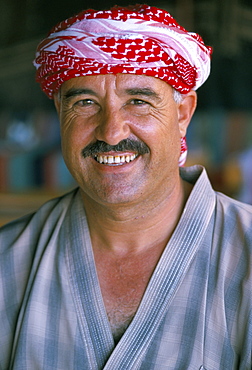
{"x":137,"y":39}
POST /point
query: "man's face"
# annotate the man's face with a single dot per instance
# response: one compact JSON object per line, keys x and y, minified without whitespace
{"x":109,"y":109}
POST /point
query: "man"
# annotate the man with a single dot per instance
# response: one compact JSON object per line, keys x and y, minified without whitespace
{"x":143,"y":266}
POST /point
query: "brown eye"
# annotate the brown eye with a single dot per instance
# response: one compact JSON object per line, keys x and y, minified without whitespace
{"x":138,"y":102}
{"x":86,"y":106}
{"x":84,"y":103}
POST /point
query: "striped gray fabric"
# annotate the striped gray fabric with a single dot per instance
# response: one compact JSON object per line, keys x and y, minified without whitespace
{"x":195,"y":314}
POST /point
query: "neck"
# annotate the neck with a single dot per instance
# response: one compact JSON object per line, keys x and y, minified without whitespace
{"x":119,"y":228}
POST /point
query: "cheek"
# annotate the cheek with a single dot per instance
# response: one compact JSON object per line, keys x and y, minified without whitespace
{"x":162,"y":130}
{"x":164,"y":142}
{"x":75,"y":134}
{"x":71,"y":146}
{"x":69,"y":141}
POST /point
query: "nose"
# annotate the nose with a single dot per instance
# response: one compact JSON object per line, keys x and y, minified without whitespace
{"x":112,"y":126}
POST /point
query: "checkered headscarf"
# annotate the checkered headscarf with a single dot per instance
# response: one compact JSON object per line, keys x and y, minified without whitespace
{"x":138,"y":40}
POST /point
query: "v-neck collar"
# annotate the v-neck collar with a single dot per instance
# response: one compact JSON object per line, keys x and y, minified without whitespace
{"x":93,"y":320}
{"x":172,"y":266}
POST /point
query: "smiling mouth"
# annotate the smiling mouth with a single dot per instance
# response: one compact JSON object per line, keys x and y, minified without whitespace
{"x":115,"y":160}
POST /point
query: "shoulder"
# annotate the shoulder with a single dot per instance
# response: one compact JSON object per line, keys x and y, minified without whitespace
{"x":232,"y":234}
{"x":26,"y":230}
{"x":23,"y":243}
{"x":228,"y":211}
{"x":230,"y":270}
{"x":233,"y":214}
{"x":232,"y":248}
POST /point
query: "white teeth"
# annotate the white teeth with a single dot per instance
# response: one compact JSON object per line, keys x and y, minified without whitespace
{"x":117,"y":159}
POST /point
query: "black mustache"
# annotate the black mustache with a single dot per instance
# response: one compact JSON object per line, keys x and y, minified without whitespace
{"x":125,"y":145}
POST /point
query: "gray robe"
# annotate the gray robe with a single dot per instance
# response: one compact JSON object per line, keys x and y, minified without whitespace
{"x":195,"y":313}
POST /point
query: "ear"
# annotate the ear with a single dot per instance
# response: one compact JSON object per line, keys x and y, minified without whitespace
{"x":56,"y":100}
{"x":186,"y":109}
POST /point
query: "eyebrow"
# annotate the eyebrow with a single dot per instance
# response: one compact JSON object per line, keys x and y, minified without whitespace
{"x":145,"y":91}
{"x":138,"y":91}
{"x":75,"y":92}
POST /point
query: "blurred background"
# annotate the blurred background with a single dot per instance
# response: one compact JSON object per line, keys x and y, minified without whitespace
{"x":219,"y":137}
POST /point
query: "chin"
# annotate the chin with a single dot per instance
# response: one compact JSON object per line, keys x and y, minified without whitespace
{"x":113,"y":197}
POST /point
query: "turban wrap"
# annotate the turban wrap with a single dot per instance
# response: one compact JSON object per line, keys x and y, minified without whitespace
{"x":138,"y":39}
